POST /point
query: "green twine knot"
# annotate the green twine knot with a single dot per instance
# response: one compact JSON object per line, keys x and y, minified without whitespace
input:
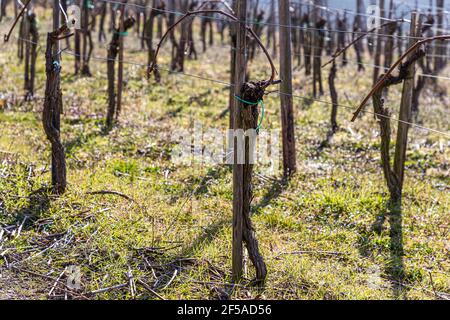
{"x":253,"y":104}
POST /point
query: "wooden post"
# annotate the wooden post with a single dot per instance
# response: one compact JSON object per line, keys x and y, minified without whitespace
{"x":232,"y":65}
{"x":56,"y":23}
{"x":440,"y":48}
{"x":26,"y":36}
{"x":238,"y":169}
{"x":274,"y":34}
{"x":307,"y":37}
{"x":57,"y":180}
{"x":30,"y":57}
{"x":314,"y":42}
{"x":245,"y":122}
{"x":86,"y":34}
{"x":148,"y":32}
{"x":113,"y":50}
{"x":77,"y":40}
{"x":120,"y":63}
{"x":184,"y":36}
{"x":379,"y":49}
{"x":359,"y":26}
{"x":170,"y":21}
{"x":405,"y":106}
{"x":287,"y":116}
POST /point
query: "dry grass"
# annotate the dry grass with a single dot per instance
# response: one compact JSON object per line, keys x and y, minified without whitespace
{"x":316,"y":232}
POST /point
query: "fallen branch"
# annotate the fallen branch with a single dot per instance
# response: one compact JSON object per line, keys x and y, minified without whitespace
{"x":111,"y":192}
{"x":147,"y":287}
{"x":299,"y":252}
{"x":171,"y":279}
{"x":56,"y":282}
{"x":117,"y":286}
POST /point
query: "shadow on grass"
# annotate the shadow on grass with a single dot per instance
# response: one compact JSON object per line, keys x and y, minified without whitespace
{"x":202,"y":185}
{"x":212,"y":175}
{"x":212,"y":231}
{"x":395,"y":268}
{"x":38,"y":206}
{"x":209,"y":233}
{"x":80,"y":139}
{"x":207,"y":236}
{"x":277,"y":188}
{"x":326,"y":143}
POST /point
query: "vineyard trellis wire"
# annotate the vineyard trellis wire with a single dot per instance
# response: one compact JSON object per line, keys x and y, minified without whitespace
{"x":144,"y":65}
{"x":227,"y":84}
{"x":252,"y":22}
{"x":294,"y":54}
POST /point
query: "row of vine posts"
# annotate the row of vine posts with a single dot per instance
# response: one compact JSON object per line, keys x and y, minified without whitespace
{"x":244,"y":93}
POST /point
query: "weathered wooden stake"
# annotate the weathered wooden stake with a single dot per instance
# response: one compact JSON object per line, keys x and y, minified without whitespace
{"x":238,"y":169}
{"x":379,"y":48}
{"x":307,"y":42}
{"x":440,"y":49}
{"x":245,"y":123}
{"x":113,"y":50}
{"x":148,"y":32}
{"x":231,"y":101}
{"x":405,"y":107}
{"x":120,"y":63}
{"x":30,"y":58}
{"x":86,"y":37}
{"x":287,"y":114}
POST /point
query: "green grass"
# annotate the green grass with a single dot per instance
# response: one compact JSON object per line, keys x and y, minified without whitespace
{"x":322,"y":234}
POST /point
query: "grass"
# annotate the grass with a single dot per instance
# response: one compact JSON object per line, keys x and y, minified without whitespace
{"x":326,"y":234}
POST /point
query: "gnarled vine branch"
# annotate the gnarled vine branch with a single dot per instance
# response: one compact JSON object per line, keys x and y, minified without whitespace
{"x":266,"y":83}
{"x":6,"y":36}
{"x":384,"y":79}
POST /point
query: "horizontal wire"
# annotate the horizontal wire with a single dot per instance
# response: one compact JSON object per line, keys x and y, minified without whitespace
{"x":293,"y":95}
{"x":263,"y":23}
{"x":146,"y":65}
{"x":231,"y":85}
{"x":331,"y":9}
{"x":354,"y":62}
{"x":366,"y":111}
{"x":294,"y":54}
{"x":420,"y":6}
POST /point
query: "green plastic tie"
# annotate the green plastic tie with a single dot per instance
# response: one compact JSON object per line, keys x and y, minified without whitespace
{"x":245,"y":101}
{"x":253,"y":104}
{"x":262,"y":116}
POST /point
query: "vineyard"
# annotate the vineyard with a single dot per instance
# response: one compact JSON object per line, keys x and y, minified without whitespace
{"x":246,"y":149}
